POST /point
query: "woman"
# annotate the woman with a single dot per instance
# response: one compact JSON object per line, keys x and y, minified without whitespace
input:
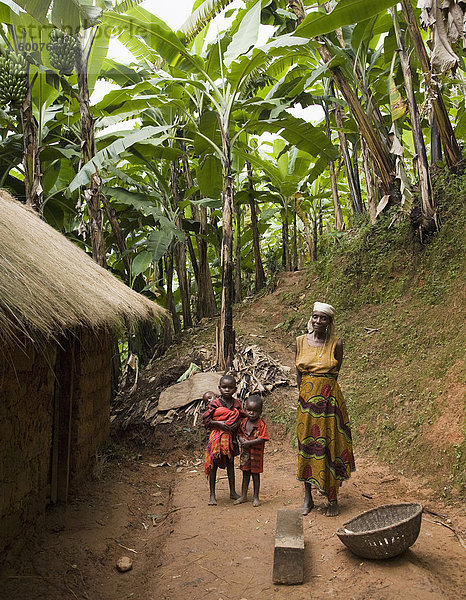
{"x":325,"y":451}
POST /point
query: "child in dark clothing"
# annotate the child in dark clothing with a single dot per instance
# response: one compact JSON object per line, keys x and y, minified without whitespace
{"x":222,"y":417}
{"x":252,"y":435}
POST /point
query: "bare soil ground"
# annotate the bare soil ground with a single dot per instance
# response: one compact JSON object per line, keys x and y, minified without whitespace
{"x":151,"y":506}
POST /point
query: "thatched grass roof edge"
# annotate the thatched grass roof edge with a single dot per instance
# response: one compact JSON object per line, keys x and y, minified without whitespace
{"x":49,"y":285}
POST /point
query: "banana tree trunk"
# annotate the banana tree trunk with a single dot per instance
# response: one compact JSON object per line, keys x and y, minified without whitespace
{"x":193,"y":258}
{"x":297,"y":6}
{"x":180,"y":264}
{"x":31,"y":161}
{"x":427,"y":206}
{"x":370,"y":193}
{"x":321,"y":219}
{"x":169,"y":280}
{"x":382,"y":158}
{"x":357,"y":182}
{"x":352,"y":185}
{"x":194,"y":210}
{"x":450,"y":145}
{"x":206,"y":304}
{"x":307,"y":227}
{"x":435,"y":142}
{"x":260,"y":280}
{"x":180,"y":253}
{"x":119,"y":237}
{"x":314,"y":239}
{"x":225,"y":332}
{"x":88,"y":151}
{"x":295,"y":237}
{"x":238,"y":282}
{"x":286,"y":263}
{"x":339,"y":222}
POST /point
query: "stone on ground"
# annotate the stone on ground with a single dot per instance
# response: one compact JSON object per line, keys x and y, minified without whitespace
{"x":288,"y":560}
{"x":124,"y":564}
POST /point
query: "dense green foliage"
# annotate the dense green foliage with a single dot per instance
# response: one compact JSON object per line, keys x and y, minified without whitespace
{"x":199,"y":146}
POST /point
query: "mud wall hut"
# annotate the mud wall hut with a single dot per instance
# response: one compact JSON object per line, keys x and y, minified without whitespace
{"x":58,"y":313}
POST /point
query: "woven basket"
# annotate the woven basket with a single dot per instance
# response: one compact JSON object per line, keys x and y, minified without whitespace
{"x":383,"y":532}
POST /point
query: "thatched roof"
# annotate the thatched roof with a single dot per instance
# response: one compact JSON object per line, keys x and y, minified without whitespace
{"x":49,"y":285}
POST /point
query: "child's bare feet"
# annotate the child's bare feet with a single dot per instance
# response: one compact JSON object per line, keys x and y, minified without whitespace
{"x":256,"y":502}
{"x":307,"y":507}
{"x":241,"y":500}
{"x":332,"y":509}
{"x":212,"y":501}
{"x":234,"y":496}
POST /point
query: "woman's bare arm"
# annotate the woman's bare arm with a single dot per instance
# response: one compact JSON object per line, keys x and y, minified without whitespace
{"x":338,"y":354}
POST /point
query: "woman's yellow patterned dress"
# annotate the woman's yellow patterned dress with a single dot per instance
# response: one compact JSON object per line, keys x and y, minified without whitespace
{"x":325,"y":449}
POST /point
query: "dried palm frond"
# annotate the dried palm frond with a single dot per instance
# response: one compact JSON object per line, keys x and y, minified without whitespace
{"x":445,"y":20}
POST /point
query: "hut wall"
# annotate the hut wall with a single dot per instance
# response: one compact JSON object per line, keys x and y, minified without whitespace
{"x":91,"y":403}
{"x":26,"y":420}
{"x":44,"y":447}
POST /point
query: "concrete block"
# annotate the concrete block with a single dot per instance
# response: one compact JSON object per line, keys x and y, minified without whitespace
{"x":288,"y":559}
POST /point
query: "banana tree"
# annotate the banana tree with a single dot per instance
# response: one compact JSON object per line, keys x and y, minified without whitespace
{"x":157,"y":104}
{"x":318,"y":24}
{"x":221,"y":79}
{"x":306,"y":74}
{"x":73,"y":14}
{"x":16,"y":83}
{"x":80,"y":21}
{"x":452,"y":150}
{"x":286,"y":171}
{"x":339,"y":223}
{"x":427,"y":206}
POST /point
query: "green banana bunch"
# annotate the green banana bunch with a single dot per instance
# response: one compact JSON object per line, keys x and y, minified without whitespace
{"x":62,"y":51}
{"x":13,"y":76}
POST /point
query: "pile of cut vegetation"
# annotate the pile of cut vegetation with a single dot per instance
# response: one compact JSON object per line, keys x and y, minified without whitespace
{"x":255,"y":371}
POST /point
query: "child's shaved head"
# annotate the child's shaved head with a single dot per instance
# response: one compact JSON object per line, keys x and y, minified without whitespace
{"x":254,"y":400}
{"x":228,"y":379}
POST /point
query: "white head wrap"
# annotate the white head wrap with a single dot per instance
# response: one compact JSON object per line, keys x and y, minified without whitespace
{"x":324,"y":308}
{"x":327,"y":309}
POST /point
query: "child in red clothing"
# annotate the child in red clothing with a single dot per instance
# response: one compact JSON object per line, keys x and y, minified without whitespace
{"x":222,"y":417}
{"x":252,"y":435}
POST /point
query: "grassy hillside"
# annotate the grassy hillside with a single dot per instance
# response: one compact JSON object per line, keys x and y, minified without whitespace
{"x":401,"y":310}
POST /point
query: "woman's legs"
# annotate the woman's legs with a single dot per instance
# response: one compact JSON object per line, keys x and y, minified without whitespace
{"x":332,"y":509}
{"x":308,"y":504}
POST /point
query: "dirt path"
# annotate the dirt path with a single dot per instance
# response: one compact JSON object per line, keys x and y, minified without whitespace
{"x":152,"y":507}
{"x":226,"y":552}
